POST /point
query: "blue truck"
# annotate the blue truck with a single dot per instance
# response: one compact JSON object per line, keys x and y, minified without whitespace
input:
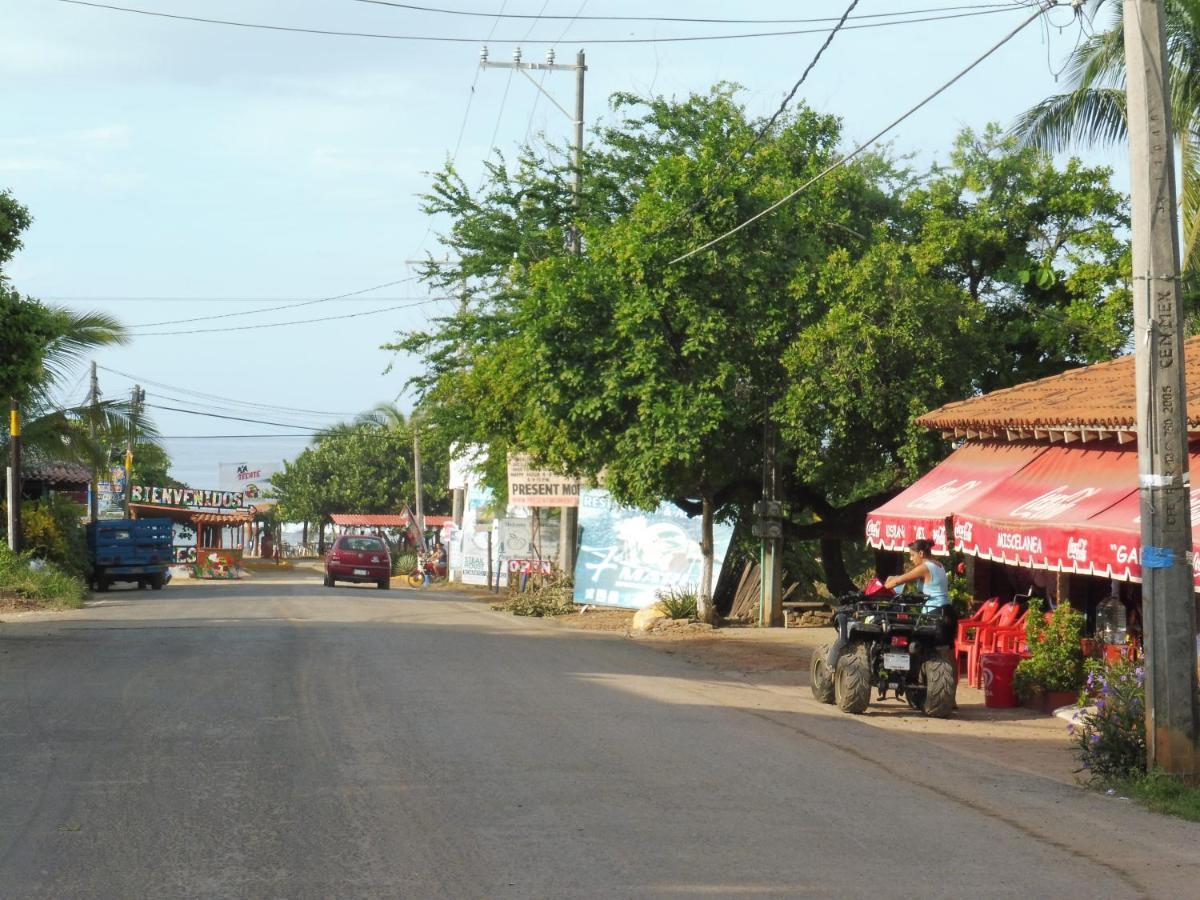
{"x":134,"y":550}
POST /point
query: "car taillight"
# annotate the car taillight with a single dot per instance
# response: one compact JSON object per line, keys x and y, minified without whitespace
{"x":902,"y":617}
{"x":899,"y":642}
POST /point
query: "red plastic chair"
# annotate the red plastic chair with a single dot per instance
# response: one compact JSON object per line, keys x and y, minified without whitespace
{"x":967,"y":628}
{"x":1013,"y":640}
{"x":1007,"y":618}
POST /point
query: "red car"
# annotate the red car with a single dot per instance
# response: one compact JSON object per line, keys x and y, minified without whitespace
{"x":358,"y":558}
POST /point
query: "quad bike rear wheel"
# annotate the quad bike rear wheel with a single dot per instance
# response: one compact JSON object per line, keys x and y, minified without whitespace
{"x":939,"y":688}
{"x":820,"y":679}
{"x":852,"y":683}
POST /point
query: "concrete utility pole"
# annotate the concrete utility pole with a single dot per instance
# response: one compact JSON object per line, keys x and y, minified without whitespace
{"x":1168,"y":599}
{"x":94,"y":499}
{"x":568,"y":534}
{"x":14,"y":476}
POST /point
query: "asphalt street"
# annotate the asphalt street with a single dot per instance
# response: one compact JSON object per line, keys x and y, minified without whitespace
{"x":276,"y":739}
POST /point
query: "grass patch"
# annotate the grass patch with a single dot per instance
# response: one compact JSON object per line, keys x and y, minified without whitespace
{"x":48,"y":586}
{"x":539,"y":602}
{"x":1162,"y":794}
{"x":678,"y":603}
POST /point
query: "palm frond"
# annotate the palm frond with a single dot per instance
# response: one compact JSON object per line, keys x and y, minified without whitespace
{"x":1085,"y":116}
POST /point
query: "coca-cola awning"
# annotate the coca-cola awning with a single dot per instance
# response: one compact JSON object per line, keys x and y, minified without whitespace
{"x":969,"y":473}
{"x":1046,"y":515}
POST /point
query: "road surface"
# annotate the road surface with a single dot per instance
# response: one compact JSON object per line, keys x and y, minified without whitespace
{"x":276,"y":739}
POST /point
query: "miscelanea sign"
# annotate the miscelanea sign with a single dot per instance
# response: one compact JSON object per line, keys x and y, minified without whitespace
{"x":186,"y":498}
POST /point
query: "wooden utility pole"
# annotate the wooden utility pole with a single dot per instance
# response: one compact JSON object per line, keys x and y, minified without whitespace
{"x":419,"y":484}
{"x":94,"y":499}
{"x":14,"y":476}
{"x":569,"y":515}
{"x":1168,"y":599}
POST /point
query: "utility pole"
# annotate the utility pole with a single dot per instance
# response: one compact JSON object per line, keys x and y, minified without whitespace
{"x":569,"y":531}
{"x":769,"y":528}
{"x":1168,"y":600}
{"x":420,"y":487}
{"x":94,"y":499}
{"x":14,"y":476}
{"x":135,"y":410}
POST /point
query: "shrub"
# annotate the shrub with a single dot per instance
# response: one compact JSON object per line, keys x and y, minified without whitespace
{"x":1111,"y":741}
{"x":403,"y":563}
{"x":548,"y":600}
{"x":678,"y":602}
{"x":51,"y":530}
{"x":1056,"y":661}
{"x":44,"y":585}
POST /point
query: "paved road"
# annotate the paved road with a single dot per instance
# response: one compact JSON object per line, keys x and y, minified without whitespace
{"x":274,"y":739}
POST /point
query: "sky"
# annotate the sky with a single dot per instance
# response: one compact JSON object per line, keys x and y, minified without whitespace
{"x":178,"y":170}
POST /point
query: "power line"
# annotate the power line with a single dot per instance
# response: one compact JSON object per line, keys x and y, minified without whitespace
{"x":685,"y":19}
{"x":296,"y":305}
{"x":142,"y":379}
{"x":370,"y":312}
{"x":464,"y":40}
{"x":83,"y":298}
{"x":1043,"y":6}
{"x":212,"y":415}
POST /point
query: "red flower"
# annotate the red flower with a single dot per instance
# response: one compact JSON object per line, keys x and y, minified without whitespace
{"x":961,"y":568}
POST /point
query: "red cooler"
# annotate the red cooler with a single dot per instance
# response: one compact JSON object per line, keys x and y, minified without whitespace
{"x":998,"y":669}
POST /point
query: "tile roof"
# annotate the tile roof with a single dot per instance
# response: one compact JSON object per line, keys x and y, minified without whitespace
{"x":380,"y":521}
{"x":58,"y":473}
{"x":1099,"y":396}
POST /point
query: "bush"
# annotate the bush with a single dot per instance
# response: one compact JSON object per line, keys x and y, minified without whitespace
{"x":547,"y":600}
{"x":1056,"y":661}
{"x":51,"y":530}
{"x":403,"y":563}
{"x":1111,"y":742}
{"x":678,"y":603}
{"x":43,"y":585}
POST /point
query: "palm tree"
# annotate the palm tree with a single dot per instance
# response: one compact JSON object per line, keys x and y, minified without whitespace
{"x":1092,"y":112}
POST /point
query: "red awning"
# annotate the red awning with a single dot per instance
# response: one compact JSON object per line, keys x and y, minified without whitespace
{"x":969,"y":473}
{"x":1044,"y":515}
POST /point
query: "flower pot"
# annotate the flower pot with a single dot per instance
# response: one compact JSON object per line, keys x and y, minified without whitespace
{"x":1090,"y":647}
{"x":1049,"y":701}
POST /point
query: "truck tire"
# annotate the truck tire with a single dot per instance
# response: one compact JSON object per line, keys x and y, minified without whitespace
{"x":157,"y":582}
{"x":102,"y":583}
{"x":852,"y":684}
{"x":939,"y":687}
{"x":820,"y":679}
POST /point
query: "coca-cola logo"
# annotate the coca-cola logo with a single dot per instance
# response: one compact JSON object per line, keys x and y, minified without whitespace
{"x":963,"y":531}
{"x":1053,"y":503}
{"x":942,"y":495}
{"x":873,"y":529}
{"x":1077,"y":549}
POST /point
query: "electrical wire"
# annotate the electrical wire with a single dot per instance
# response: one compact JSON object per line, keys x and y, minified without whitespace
{"x":1043,"y":6}
{"x":295,"y":305}
{"x":141,"y":379}
{"x":370,"y":312}
{"x":685,"y":19}
{"x":464,"y":40}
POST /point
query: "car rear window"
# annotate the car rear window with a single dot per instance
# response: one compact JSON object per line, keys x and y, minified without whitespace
{"x":363,"y":544}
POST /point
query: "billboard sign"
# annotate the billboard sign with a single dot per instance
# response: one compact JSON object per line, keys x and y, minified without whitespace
{"x":528,"y":486}
{"x":253,"y":480}
{"x":185,"y":498}
{"x":626,"y":556}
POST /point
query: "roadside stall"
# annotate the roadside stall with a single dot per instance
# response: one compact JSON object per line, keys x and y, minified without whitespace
{"x":1041,"y":496}
{"x":215,"y":518}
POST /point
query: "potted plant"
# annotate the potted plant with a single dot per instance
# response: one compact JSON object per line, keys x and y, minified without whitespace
{"x":1053,"y":674}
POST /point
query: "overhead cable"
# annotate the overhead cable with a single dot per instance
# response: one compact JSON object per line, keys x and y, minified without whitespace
{"x":370,"y":312}
{"x":445,"y":39}
{"x":1043,"y":6}
{"x":684,"y":19}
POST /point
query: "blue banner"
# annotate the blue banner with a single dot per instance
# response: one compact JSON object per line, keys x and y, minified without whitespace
{"x":626,"y":556}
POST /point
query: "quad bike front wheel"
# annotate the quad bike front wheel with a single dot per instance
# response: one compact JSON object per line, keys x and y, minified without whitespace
{"x":852,"y":684}
{"x":820,"y":679}
{"x":938,"y":675}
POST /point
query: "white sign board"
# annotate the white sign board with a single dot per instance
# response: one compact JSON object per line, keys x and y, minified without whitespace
{"x":465,"y":464}
{"x":528,"y":486}
{"x":252,"y":479}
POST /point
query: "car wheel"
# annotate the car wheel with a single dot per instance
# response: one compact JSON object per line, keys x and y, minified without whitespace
{"x":385,"y":584}
{"x":328,"y":581}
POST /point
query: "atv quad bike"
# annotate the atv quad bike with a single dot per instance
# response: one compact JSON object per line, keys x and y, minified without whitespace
{"x":891,"y":644}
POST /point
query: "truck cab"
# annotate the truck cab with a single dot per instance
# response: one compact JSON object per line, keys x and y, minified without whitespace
{"x":133,"y":550}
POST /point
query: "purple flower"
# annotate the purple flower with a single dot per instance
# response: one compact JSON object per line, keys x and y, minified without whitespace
{"x":1094,"y":739}
{"x":1071,"y":729}
{"x":1100,"y":704}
